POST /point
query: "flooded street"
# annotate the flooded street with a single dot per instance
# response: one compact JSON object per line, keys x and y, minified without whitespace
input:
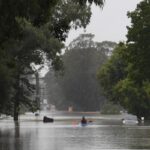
{"x":66,"y":134}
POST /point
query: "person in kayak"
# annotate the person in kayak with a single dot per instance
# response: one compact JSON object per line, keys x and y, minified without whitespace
{"x":83,"y":120}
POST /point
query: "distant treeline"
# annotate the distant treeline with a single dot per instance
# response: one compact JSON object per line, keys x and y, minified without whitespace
{"x":77,"y":84}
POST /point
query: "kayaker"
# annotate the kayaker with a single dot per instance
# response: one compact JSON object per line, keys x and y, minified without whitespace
{"x":83,"y":120}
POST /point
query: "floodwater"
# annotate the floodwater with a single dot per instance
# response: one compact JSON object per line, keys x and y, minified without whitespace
{"x":67,"y":134}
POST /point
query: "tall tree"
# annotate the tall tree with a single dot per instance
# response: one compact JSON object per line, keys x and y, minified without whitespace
{"x":30,"y":28}
{"x":113,"y":71}
{"x":138,"y":59}
{"x":133,"y":87}
{"x":78,"y":84}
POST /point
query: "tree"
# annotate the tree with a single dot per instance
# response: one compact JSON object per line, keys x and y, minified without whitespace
{"x":30,"y":28}
{"x":138,"y":57}
{"x":113,"y":71}
{"x":55,"y":93}
{"x":78,"y":84}
{"x":138,"y":35}
{"x":131,"y":89}
{"x":5,"y":82}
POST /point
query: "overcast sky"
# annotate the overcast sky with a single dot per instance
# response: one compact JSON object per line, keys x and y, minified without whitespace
{"x":108,"y":23}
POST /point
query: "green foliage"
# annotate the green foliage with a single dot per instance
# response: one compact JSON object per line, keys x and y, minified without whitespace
{"x":113,"y":71}
{"x":6,"y":80}
{"x":130,"y":85}
{"x":138,"y":43}
{"x":83,"y":41}
{"x":78,"y":86}
{"x":29,"y":30}
{"x":83,"y":2}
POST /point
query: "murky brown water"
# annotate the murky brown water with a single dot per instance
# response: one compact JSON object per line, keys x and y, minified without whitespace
{"x":67,"y":134}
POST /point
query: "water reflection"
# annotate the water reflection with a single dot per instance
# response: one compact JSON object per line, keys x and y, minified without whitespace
{"x":65,"y":135}
{"x":17,"y":140}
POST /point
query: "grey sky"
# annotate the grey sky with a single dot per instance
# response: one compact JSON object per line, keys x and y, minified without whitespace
{"x":108,"y":23}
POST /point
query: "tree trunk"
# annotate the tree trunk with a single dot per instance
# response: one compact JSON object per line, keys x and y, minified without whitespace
{"x":17,"y":99}
{"x":16,"y":110}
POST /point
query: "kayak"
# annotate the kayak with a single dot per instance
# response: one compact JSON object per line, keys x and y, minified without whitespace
{"x":83,"y":124}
